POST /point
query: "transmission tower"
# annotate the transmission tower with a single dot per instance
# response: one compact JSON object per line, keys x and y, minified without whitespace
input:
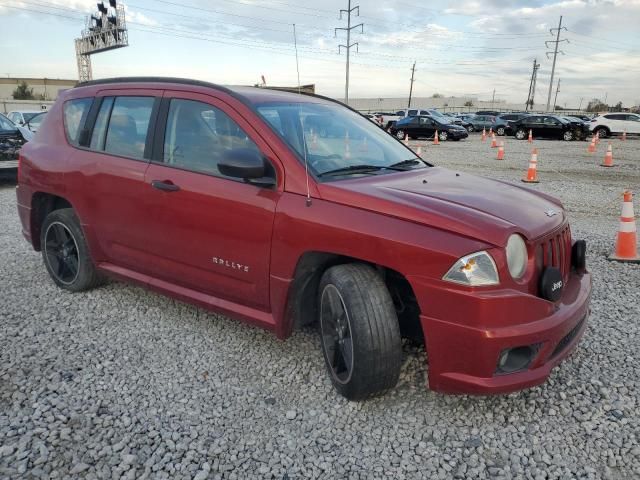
{"x":105,"y":30}
{"x":532,"y":86}
{"x":556,"y":42}
{"x":349,"y":45}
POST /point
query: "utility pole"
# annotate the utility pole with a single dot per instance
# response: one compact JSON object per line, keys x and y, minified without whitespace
{"x":493,"y":98}
{"x":557,"y":41}
{"x":580,"y":107}
{"x":555,"y":100}
{"x":413,"y":71}
{"x":348,"y":46}
{"x":532,"y":85}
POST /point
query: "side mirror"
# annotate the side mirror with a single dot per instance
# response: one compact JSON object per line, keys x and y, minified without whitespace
{"x":245,"y":163}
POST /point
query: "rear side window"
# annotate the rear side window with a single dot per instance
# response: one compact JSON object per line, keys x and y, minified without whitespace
{"x":100,"y":127}
{"x":75,"y":114}
{"x":616,"y":117}
{"x":128,"y":125}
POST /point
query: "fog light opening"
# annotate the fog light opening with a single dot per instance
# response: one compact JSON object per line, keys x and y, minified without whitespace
{"x":515,"y":359}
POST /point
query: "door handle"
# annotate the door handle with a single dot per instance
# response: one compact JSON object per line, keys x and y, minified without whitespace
{"x":165,"y":185}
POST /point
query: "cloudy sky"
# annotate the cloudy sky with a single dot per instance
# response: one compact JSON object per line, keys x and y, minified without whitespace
{"x":461,"y":48}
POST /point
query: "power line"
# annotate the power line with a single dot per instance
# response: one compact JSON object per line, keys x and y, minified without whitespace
{"x":349,"y":45}
{"x":557,"y":41}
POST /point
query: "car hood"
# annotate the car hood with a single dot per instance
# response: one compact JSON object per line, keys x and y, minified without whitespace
{"x":477,"y":207}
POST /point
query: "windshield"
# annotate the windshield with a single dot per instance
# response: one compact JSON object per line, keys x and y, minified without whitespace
{"x":6,"y":124}
{"x":36,"y":119}
{"x":337,"y":141}
{"x":29,"y":115}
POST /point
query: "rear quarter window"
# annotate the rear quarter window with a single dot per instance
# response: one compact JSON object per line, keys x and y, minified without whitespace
{"x":75,"y":114}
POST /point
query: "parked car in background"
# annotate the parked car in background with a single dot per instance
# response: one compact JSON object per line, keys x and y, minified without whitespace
{"x":465,"y":116}
{"x":33,"y":123}
{"x":478,"y":122}
{"x":493,"y":113}
{"x":426,"y":126}
{"x":11,"y":141}
{"x":456,"y":120}
{"x":615,"y":124}
{"x":20,"y":117}
{"x":546,"y":126}
{"x":502,"y":122}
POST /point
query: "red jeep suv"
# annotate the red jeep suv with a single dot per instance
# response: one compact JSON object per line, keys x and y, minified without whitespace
{"x":284,"y":209}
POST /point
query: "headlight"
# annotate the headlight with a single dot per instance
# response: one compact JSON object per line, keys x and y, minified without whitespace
{"x":516,"y":256}
{"x":474,"y":270}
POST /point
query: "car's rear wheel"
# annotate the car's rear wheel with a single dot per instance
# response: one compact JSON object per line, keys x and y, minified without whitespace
{"x":442,"y":136}
{"x":400,"y":134}
{"x":359,"y":331}
{"x":65,"y":252}
{"x":470,"y":128}
{"x":602,"y":132}
{"x":568,"y":136}
{"x":500,"y":131}
{"x":521,"y":134}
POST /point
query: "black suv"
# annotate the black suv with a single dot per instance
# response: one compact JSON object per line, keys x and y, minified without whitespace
{"x":547,"y":126}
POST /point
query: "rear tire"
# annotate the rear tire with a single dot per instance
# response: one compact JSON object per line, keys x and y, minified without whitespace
{"x":359,"y":329}
{"x":567,"y":136}
{"x":65,"y":252}
{"x":500,"y":131}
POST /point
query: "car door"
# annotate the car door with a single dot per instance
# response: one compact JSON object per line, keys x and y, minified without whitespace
{"x":427,"y":128}
{"x":208,"y":232}
{"x":633,"y":123}
{"x":113,"y":154}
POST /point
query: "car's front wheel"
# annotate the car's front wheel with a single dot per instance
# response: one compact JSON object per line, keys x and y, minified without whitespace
{"x":442,"y":136}
{"x":65,"y":252}
{"x":602,"y":132}
{"x":521,"y":134}
{"x":400,"y":134}
{"x":500,"y":131}
{"x":359,"y":331}
{"x":470,"y":128}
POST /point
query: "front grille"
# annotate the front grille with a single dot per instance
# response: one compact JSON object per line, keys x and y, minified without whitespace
{"x":556,"y":251}
{"x":567,"y":339}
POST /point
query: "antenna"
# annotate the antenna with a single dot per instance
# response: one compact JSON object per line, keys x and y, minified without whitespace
{"x":306,"y":162}
{"x":295,"y":43}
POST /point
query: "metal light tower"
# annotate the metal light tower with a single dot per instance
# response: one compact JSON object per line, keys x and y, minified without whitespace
{"x":106,"y":30}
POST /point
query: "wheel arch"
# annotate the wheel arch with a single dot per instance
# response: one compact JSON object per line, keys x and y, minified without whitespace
{"x":42,"y":204}
{"x":302,"y":301}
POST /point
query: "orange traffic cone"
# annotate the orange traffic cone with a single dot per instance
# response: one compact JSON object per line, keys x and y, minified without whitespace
{"x":626,"y":241}
{"x":436,"y":141}
{"x":608,"y":158}
{"x":501,"y":150}
{"x":484,"y":134}
{"x":363,"y":145}
{"x":347,"y":147}
{"x":532,"y":172}
{"x":530,"y":140}
{"x":419,"y":152}
{"x":406,"y":139}
{"x":592,"y":145}
{"x":494,"y":143}
{"x":624,"y":136}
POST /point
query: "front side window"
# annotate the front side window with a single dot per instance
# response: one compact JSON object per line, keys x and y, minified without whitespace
{"x":336,"y":141}
{"x":128,"y":125}
{"x":75,"y":114}
{"x":198,"y":135}
{"x":633,"y":118}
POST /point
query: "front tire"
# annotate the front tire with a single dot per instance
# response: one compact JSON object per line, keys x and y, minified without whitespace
{"x":521,"y":134}
{"x":470,"y":129}
{"x":602,"y":132}
{"x":65,"y":252}
{"x":359,"y":330}
{"x":442,"y":136}
{"x":500,"y":131}
{"x":400,"y":134}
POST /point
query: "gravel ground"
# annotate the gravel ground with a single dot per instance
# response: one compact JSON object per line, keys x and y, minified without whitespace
{"x":123,"y":383}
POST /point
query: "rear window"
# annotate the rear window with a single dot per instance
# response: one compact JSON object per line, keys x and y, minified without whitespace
{"x":75,"y":114}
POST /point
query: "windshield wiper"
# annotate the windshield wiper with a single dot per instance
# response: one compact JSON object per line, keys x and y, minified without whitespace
{"x":359,"y":169}
{"x":410,"y":161}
